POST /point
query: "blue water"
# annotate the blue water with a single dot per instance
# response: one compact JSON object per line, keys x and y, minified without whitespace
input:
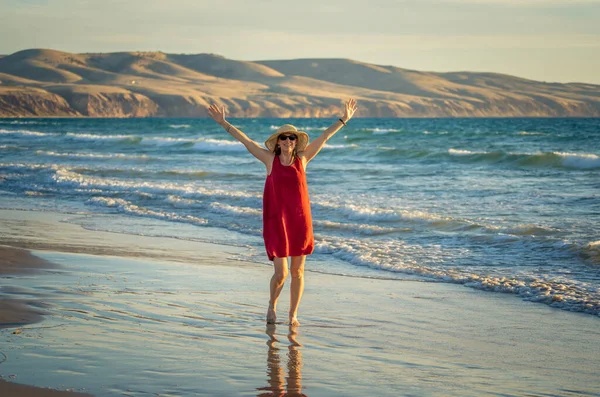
{"x":508,"y":205}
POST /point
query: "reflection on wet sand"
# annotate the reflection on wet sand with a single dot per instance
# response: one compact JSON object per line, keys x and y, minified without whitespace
{"x":292,"y":386}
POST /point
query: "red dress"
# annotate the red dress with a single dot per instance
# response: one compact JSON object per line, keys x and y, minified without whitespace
{"x":287,"y":222}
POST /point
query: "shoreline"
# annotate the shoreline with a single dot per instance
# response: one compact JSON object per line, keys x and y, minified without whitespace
{"x":48,"y":231}
{"x":204,"y":319}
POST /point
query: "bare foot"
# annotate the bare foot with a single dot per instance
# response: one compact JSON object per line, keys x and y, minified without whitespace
{"x":292,"y":338}
{"x":271,"y":316}
{"x":294,"y":321}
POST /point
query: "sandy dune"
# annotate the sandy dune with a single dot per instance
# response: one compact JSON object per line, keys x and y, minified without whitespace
{"x":42,"y":82}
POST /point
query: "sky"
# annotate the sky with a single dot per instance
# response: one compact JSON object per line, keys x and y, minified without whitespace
{"x":545,"y":40}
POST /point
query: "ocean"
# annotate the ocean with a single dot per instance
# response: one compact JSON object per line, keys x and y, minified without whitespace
{"x":503,"y":205}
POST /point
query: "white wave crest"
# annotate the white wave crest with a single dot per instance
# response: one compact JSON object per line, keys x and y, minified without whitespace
{"x":177,"y":126}
{"x":381,"y":131}
{"x":276,"y":127}
{"x":541,"y":159}
{"x":594,"y":245}
{"x":25,"y":133}
{"x":92,"y":155}
{"x":180,"y":202}
{"x":229,"y":209}
{"x":367,"y":216}
{"x":589,"y":251}
{"x":579,"y":160}
{"x":20,"y":166}
{"x":95,"y":137}
{"x":33,"y":193}
{"x":127,"y":207}
{"x":165,"y":141}
{"x":422,"y":261}
{"x":359,"y":228}
{"x":435,"y":133}
{"x":26,"y":122}
{"x":67,"y":178}
{"x":364,"y":213}
{"x":461,"y":152}
{"x":530,"y":133}
{"x":218,"y":145}
{"x":531,"y":230}
{"x":328,"y":146}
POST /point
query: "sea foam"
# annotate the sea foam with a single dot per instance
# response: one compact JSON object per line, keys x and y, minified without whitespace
{"x":539,"y":159}
{"x":399,"y":256}
{"x":26,"y":133}
{"x":579,"y":160}
{"x":218,"y":145}
{"x":381,"y":131}
{"x":92,"y":155}
{"x":103,"y":138}
{"x":127,"y":207}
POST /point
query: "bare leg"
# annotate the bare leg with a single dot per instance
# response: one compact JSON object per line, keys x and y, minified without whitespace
{"x":297,"y":287}
{"x":280,"y":272}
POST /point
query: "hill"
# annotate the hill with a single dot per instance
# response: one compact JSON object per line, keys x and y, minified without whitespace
{"x":43,"y":82}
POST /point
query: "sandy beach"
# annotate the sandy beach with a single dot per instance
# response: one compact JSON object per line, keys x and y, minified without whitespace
{"x":19,"y":312}
{"x":112,"y":314}
{"x":15,"y":312}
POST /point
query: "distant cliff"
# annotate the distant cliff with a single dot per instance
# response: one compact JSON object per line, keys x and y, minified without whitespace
{"x":41,"y":82}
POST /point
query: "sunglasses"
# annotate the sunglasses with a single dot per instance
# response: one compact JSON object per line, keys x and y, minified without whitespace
{"x":285,"y":137}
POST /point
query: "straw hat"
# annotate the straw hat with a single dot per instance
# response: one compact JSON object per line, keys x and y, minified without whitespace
{"x":290,"y":129}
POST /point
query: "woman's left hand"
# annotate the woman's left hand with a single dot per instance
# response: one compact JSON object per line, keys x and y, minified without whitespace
{"x":349,"y":109}
{"x":216,"y":113}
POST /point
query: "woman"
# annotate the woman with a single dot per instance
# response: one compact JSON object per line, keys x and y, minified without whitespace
{"x":287,"y":222}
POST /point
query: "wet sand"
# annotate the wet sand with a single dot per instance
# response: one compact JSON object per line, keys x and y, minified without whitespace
{"x":8,"y":389}
{"x":138,"y":324}
{"x":20,"y":261}
{"x":15,"y":313}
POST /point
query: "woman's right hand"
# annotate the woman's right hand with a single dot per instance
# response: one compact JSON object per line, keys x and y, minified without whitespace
{"x":217,"y":114}
{"x":349,"y":109}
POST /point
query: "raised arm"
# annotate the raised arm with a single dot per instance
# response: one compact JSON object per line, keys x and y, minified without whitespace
{"x":315,"y":146}
{"x":254,"y":148}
